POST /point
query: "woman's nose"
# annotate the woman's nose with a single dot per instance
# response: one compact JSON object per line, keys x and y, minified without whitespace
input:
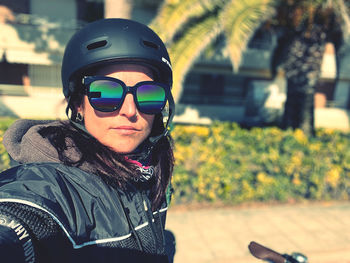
{"x":128,"y":108}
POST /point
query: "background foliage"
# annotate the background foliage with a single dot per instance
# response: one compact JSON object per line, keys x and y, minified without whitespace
{"x":226,"y":163}
{"x":4,"y":158}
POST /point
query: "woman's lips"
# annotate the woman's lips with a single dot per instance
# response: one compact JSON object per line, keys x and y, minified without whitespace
{"x":125,"y":130}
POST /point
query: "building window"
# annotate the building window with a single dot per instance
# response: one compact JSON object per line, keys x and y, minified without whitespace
{"x":212,"y":85}
{"x":12,"y":74}
{"x":213,"y":89}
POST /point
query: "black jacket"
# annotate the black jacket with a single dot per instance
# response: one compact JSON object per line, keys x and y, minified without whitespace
{"x":50,"y":212}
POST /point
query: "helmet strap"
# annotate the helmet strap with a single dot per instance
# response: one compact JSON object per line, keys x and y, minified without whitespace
{"x":153,"y":140}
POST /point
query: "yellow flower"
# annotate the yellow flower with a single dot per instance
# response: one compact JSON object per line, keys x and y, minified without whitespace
{"x":300,"y":136}
{"x":315,"y":147}
{"x":264,"y":178}
{"x":296,"y":179}
{"x":297,"y":159}
{"x":333,"y":176}
{"x":247,"y":191}
{"x":212,"y":195}
{"x":324,"y":132}
{"x":275,"y":131}
{"x":329,"y":131}
{"x":194,"y":130}
{"x":274,"y":155}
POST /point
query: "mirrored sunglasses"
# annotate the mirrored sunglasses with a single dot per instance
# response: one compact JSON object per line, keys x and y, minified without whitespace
{"x":107,"y":94}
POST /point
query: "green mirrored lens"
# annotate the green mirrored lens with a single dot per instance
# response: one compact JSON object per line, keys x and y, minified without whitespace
{"x":105,"y":95}
{"x":151,"y":98}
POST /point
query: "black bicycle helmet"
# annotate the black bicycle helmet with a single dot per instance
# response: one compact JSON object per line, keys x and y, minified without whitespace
{"x":111,"y":41}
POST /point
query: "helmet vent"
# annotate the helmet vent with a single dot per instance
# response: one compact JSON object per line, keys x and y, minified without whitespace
{"x":97,"y":44}
{"x":150,"y":44}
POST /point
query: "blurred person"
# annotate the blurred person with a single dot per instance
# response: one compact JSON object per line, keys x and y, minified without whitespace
{"x":93,"y":188}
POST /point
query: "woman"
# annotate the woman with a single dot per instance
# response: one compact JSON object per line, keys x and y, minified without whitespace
{"x":92,"y":189}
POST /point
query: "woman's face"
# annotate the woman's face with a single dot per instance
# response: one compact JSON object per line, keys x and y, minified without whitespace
{"x":126,"y":128}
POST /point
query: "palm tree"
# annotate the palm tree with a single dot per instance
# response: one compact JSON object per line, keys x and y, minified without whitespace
{"x":307,"y":27}
{"x":188,"y":27}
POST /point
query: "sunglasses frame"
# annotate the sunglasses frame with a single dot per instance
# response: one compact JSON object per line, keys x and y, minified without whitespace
{"x":87,"y":80}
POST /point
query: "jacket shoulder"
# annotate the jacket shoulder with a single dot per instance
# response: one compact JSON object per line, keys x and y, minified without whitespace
{"x":80,"y":202}
{"x":67,"y":194}
{"x":51,"y":176}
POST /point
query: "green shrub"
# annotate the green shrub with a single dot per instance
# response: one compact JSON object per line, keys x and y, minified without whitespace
{"x":226,"y":163}
{"x":4,"y":158}
{"x":6,"y":122}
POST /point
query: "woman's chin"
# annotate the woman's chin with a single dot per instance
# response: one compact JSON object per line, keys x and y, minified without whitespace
{"x":124,"y":149}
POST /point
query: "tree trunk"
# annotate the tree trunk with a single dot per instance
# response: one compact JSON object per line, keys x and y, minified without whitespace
{"x":299,"y":108}
{"x":303,"y":68}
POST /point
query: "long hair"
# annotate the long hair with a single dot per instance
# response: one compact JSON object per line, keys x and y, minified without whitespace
{"x":112,"y":167}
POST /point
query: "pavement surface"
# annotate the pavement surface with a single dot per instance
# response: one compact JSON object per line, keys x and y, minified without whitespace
{"x":320,"y":231}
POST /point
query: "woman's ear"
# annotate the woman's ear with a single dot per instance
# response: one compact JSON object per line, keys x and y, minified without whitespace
{"x":80,"y":113}
{"x":80,"y":107}
{"x":77,"y":110}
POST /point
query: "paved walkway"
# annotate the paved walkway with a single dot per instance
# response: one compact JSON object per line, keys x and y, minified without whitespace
{"x":320,"y":231}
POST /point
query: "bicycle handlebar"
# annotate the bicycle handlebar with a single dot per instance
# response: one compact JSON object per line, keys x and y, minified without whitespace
{"x":267,"y":254}
{"x":264,"y":253}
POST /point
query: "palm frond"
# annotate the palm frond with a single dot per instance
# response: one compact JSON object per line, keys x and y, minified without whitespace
{"x":240,"y":19}
{"x":185,"y":51}
{"x":342,"y":11}
{"x":173,"y":15}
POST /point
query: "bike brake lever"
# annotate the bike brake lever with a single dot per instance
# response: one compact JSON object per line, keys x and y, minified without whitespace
{"x":264,"y":253}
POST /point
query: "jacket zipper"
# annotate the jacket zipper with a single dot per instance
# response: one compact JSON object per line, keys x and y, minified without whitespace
{"x":150,"y":218}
